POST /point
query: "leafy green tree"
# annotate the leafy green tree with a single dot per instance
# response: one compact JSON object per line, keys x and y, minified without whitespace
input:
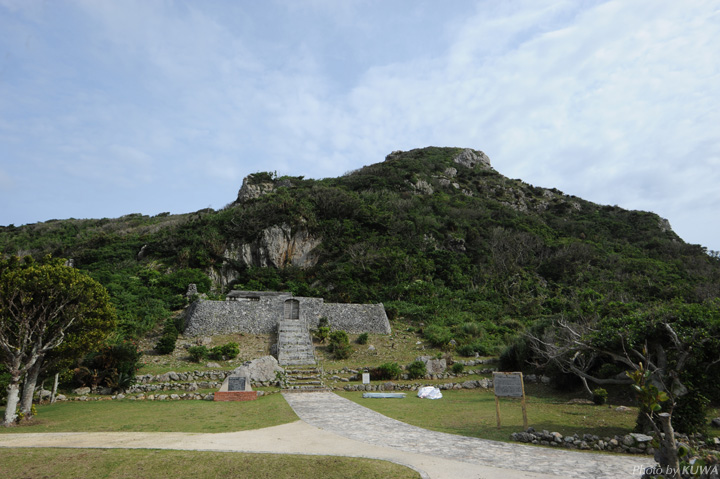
{"x":39,"y":304}
{"x":651,"y":401}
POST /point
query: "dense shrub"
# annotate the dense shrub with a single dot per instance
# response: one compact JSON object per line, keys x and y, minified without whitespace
{"x":471,"y":349}
{"x":416,"y":369}
{"x":198,"y":353}
{"x":387,"y":371}
{"x":363,"y":338}
{"x":114,"y":366}
{"x":457,"y":368}
{"x":688,"y":415}
{"x":322,"y":333}
{"x":600,"y":396}
{"x":224,"y":352}
{"x":230,"y":350}
{"x":339,"y":345}
{"x":438,"y":335}
{"x":166,"y":344}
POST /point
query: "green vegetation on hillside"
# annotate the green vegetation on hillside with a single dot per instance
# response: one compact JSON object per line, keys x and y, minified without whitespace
{"x":470,"y":258}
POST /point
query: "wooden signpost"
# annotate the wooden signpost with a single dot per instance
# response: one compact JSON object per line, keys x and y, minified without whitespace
{"x":509,"y":385}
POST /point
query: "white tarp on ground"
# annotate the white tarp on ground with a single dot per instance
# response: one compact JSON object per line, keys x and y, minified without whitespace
{"x":429,"y":392}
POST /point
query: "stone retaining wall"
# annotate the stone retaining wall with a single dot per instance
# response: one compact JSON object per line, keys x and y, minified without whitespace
{"x":206,"y":317}
{"x":391,"y":386}
{"x":355,"y":318}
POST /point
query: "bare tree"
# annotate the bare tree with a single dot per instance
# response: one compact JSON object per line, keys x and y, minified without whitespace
{"x":653,"y":370}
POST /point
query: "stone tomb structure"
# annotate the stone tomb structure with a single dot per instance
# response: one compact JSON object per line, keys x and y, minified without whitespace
{"x":291,"y":317}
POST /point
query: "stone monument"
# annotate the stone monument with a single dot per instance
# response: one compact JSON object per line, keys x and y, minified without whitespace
{"x":236,"y":387}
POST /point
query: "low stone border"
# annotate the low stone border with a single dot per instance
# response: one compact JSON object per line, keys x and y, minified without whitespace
{"x":153,"y":397}
{"x":391,"y":386}
{"x":633,"y":443}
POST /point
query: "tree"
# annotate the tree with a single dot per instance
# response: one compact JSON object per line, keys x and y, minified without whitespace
{"x":651,"y":399}
{"x":677,"y":345}
{"x":41,"y":305}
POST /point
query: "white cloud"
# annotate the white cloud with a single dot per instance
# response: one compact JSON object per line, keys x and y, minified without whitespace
{"x":613,"y":101}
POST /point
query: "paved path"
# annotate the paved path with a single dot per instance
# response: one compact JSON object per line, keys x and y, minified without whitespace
{"x":346,"y":418}
{"x":332,"y":425}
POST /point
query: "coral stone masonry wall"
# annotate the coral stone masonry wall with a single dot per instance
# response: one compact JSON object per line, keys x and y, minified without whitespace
{"x":260,"y":313}
{"x":355,"y":318}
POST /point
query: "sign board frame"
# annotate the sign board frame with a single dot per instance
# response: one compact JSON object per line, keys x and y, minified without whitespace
{"x":237,"y":383}
{"x":509,"y":384}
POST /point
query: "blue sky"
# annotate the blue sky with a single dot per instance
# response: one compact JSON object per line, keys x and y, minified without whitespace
{"x":116,"y":107}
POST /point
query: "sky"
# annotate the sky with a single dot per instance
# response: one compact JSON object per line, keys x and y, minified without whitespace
{"x":116,"y":107}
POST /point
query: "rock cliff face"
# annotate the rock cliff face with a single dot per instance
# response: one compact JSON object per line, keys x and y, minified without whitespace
{"x":253,"y":188}
{"x":278,"y":246}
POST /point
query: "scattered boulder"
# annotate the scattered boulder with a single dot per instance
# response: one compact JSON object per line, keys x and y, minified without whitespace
{"x":44,"y":394}
{"x":641,"y":438}
{"x":433,"y":366}
{"x":262,"y":369}
{"x":81,"y":391}
{"x":715,"y":422}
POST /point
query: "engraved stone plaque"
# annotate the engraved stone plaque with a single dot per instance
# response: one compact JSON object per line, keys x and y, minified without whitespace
{"x":236,"y":383}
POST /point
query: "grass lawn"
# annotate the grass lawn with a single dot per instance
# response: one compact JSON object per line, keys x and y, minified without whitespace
{"x":159,"y":416}
{"x":471,"y":412}
{"x":150,"y":464}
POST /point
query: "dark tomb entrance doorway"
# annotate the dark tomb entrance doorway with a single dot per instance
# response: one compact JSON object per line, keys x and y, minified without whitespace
{"x":292,"y":309}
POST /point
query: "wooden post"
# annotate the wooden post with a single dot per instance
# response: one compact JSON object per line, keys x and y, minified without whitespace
{"x":524,"y":409}
{"x":509,"y":385}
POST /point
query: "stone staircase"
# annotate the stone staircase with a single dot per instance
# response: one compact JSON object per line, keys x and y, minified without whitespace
{"x":304,"y":379}
{"x":294,"y":346}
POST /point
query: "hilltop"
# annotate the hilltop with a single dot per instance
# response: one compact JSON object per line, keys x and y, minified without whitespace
{"x":460,"y":252}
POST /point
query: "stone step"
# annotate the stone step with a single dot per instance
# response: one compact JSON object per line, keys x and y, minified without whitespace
{"x":294,"y":347}
{"x":297,"y":362}
{"x":302,"y":373}
{"x":305,"y":383}
{"x":307,"y":389}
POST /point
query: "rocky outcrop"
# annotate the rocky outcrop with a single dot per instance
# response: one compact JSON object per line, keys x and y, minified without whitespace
{"x":422,"y":187}
{"x":471,"y":158}
{"x":277,"y":246}
{"x":253,"y":188}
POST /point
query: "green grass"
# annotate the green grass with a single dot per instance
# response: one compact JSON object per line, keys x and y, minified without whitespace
{"x":472,"y":413}
{"x":151,"y":464}
{"x":159,"y":416}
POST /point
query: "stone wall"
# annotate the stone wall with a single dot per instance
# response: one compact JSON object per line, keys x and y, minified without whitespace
{"x":225,"y":317}
{"x":262,"y":316}
{"x":355,"y":318}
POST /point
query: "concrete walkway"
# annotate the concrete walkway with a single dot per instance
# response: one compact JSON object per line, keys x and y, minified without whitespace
{"x":332,"y":425}
{"x":346,"y":418}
